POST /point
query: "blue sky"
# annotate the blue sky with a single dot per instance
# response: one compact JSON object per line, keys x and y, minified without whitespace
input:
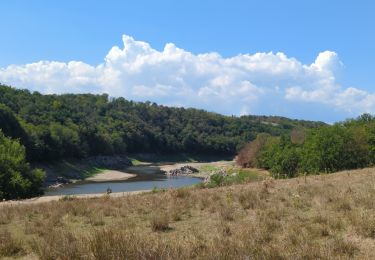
{"x":85,"y":31}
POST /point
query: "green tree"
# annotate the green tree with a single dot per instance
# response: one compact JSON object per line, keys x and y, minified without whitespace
{"x":281,"y":157}
{"x":334,"y":148}
{"x":17,"y":180}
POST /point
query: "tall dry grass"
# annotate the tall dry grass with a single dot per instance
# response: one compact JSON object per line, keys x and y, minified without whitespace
{"x":320,"y":217}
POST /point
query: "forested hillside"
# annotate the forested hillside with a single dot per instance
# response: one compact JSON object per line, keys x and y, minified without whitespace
{"x":60,"y":126}
{"x":344,"y":145}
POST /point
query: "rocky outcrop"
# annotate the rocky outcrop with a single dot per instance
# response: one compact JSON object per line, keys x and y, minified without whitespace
{"x":184,"y":170}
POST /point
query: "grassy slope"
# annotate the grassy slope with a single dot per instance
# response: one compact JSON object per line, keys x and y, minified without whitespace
{"x":327,"y":216}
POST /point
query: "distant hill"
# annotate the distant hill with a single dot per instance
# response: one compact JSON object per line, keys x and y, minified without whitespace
{"x":53,"y":127}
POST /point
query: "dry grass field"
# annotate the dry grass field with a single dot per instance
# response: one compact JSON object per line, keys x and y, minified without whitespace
{"x":317,"y":217}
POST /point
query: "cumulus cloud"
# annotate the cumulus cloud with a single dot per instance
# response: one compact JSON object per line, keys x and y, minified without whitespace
{"x":261,"y":83}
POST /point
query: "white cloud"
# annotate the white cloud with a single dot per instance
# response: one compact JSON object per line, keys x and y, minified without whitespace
{"x":265,"y":83}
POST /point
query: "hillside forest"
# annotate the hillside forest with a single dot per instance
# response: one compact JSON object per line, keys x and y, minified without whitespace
{"x":345,"y":145}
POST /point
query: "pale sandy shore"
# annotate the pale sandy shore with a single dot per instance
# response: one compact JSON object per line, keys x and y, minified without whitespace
{"x":110,"y":175}
{"x":45,"y":199}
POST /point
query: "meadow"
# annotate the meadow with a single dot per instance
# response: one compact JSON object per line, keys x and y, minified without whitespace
{"x":312,"y":217}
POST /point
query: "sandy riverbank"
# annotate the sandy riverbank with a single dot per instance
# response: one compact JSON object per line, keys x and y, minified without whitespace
{"x":110,"y":175}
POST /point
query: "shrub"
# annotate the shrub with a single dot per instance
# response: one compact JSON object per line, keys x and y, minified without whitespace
{"x":216,"y":180}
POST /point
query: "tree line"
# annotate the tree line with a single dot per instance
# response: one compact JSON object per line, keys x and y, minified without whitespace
{"x":53,"y":127}
{"x":345,"y":145}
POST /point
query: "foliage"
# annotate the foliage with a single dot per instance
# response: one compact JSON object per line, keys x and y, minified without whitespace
{"x":17,"y":180}
{"x":334,"y":148}
{"x":234,"y":176}
{"x":53,"y":127}
{"x":247,"y":157}
{"x":216,"y":180}
{"x":280,"y":156}
{"x":345,"y":145}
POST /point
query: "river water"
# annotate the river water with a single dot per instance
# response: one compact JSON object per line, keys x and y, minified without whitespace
{"x":148,"y":177}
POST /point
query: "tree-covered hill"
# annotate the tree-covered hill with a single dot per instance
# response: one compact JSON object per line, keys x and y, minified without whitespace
{"x":53,"y":127}
{"x":345,"y":145}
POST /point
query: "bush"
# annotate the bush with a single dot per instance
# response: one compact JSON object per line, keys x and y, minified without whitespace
{"x":17,"y":180}
{"x":216,"y":180}
{"x":286,"y":162}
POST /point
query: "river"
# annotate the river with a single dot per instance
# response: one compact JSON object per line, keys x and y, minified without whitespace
{"x":148,"y":177}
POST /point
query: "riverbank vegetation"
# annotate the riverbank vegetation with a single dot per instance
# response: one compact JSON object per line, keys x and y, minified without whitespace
{"x":226,"y":176}
{"x":344,"y":145}
{"x":313,"y":217}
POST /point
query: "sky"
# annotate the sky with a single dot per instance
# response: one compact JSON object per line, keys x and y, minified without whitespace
{"x":308,"y":59}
